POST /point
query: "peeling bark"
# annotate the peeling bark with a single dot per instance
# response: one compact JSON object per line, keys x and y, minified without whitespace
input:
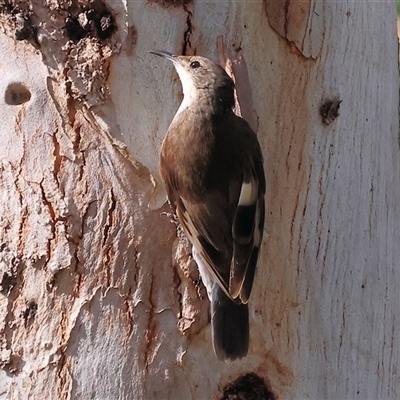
{"x":300,"y":22}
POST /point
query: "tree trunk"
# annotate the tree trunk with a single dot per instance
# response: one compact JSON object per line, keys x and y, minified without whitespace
{"x":100,"y":297}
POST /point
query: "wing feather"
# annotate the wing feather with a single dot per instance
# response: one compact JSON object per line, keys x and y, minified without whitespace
{"x":246,"y":237}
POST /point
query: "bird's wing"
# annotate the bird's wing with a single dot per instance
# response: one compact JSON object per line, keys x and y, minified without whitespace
{"x":223,"y":211}
{"x":247,"y":231}
{"x":209,"y":229}
{"x":248,"y":223}
{"x":228,"y":236}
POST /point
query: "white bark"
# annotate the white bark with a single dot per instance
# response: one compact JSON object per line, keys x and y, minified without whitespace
{"x":99,"y":299}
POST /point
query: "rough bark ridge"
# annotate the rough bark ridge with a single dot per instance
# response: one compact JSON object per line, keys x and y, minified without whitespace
{"x":99,"y":298}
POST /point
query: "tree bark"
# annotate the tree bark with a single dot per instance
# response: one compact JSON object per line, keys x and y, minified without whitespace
{"x":100,"y":297}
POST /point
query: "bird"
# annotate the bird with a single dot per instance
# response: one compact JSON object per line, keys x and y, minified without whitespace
{"x":212,"y":167}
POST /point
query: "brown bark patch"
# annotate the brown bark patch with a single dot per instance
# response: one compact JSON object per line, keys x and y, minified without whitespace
{"x":300,"y":22}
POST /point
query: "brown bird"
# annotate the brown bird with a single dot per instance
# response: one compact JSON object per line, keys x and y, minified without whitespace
{"x":212,"y":167}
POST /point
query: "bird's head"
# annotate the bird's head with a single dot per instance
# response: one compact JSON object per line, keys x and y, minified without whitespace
{"x":202,"y":77}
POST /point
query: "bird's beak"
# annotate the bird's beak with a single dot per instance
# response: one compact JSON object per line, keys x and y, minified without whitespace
{"x":164,"y":54}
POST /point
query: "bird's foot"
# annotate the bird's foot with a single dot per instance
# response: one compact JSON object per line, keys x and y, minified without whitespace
{"x":172,"y":217}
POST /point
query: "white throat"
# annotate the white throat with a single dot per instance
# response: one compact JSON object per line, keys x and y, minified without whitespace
{"x":189,"y":91}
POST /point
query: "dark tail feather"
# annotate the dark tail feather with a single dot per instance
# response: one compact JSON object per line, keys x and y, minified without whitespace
{"x":229,"y":325}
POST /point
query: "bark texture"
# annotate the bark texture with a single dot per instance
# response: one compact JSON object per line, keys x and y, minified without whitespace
{"x":99,"y":296}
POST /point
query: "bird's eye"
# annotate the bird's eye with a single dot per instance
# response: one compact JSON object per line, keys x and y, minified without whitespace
{"x":194,"y":64}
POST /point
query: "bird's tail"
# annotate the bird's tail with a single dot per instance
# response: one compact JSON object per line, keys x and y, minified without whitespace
{"x":229,"y":326}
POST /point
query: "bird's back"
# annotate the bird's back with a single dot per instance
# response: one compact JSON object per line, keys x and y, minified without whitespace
{"x":203,"y":164}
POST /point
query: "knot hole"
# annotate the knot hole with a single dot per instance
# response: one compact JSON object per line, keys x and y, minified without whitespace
{"x":16,"y":94}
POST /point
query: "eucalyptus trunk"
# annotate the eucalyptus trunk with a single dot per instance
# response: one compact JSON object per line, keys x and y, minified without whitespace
{"x":100,"y":297}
